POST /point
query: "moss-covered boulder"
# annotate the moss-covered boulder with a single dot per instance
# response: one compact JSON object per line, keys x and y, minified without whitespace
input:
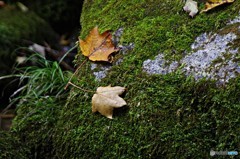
{"x":168,"y":115}
{"x":34,"y":125}
{"x":63,"y":15}
{"x":16,"y":28}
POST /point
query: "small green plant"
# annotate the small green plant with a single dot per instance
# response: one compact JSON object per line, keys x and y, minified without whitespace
{"x":44,"y":79}
{"x":41,"y":88}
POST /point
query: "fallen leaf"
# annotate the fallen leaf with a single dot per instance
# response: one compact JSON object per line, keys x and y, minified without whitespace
{"x":106,"y":99}
{"x":191,"y":7}
{"x":210,"y":4}
{"x":98,"y":47}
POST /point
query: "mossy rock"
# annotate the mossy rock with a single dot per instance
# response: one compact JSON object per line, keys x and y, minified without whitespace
{"x":167,"y":116}
{"x":11,"y":146}
{"x":15,"y":27}
{"x":62,"y":15}
{"x":37,"y":117}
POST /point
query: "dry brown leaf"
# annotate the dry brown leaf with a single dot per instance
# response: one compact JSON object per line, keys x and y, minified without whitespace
{"x":98,"y":47}
{"x":106,"y":99}
{"x":210,"y":4}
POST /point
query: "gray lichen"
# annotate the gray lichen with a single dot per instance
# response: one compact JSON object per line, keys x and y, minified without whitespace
{"x":206,"y":50}
{"x":159,"y":65}
{"x":235,"y":20}
{"x":100,"y":71}
{"x":211,"y":57}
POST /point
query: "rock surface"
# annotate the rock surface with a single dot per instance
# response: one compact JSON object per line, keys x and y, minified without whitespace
{"x":166,"y":115}
{"x":212,"y":56}
{"x":235,"y":20}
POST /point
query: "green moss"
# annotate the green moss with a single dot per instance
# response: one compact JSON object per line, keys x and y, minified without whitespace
{"x":167,"y":115}
{"x":37,"y":118}
{"x":11,"y":146}
{"x":153,"y":26}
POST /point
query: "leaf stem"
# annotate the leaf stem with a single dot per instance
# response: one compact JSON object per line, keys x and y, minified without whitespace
{"x":69,"y":82}
{"x":85,"y":90}
{"x":75,"y":73}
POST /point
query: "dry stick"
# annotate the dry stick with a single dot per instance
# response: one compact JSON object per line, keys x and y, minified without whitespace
{"x":85,"y":90}
{"x":85,"y":62}
{"x":69,"y":81}
{"x":5,"y":116}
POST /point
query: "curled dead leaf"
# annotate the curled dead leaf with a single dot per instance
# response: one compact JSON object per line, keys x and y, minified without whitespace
{"x":210,"y":4}
{"x":106,"y":99}
{"x":98,"y":47}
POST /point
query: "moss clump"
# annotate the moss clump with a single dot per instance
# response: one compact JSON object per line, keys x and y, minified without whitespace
{"x":37,"y":116}
{"x":39,"y":105}
{"x":11,"y":146}
{"x":154,"y":26}
{"x":62,"y":15}
{"x":16,"y":26}
{"x":167,"y":115}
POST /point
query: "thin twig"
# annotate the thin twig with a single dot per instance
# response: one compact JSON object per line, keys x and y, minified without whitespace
{"x":69,"y":81}
{"x":85,"y":90}
{"x":7,"y":116}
